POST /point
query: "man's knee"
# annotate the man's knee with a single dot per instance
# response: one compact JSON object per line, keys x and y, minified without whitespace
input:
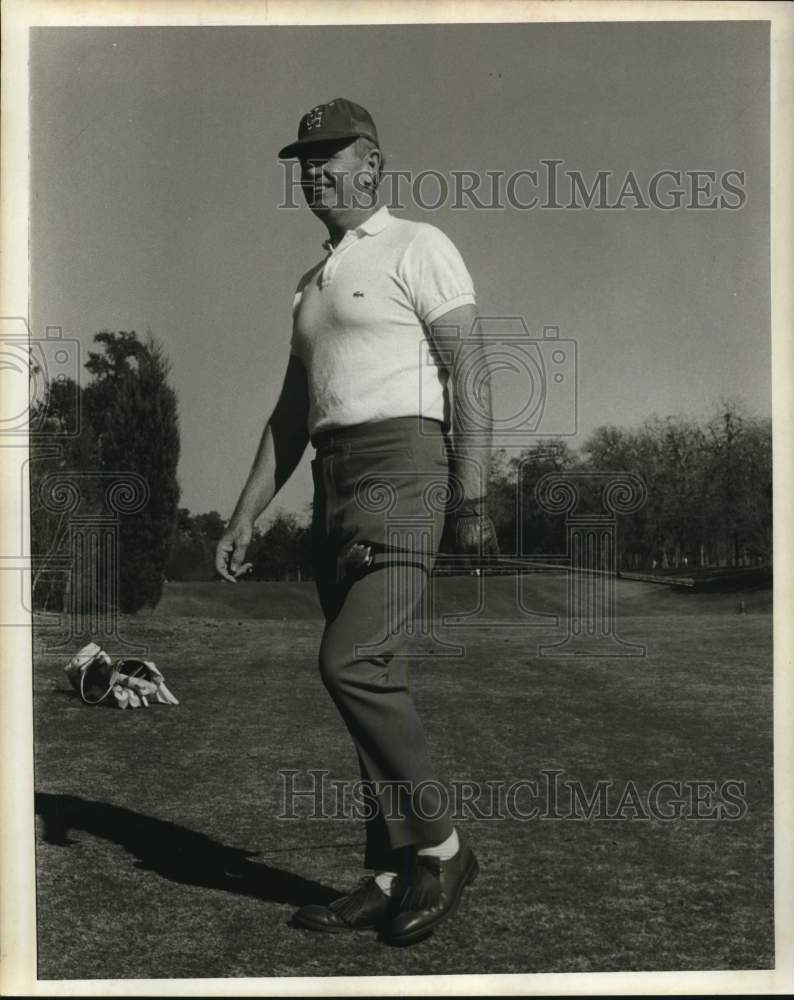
{"x":333,"y":664}
{"x":344,"y":668}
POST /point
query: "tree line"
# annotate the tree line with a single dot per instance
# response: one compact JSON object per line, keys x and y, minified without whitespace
{"x":282,"y":551}
{"x":708,"y":487}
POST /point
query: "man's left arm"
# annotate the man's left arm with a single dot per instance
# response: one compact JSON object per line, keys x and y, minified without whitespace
{"x":457,"y":337}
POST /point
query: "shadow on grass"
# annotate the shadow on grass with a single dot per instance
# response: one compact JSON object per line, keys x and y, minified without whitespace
{"x":174,"y":852}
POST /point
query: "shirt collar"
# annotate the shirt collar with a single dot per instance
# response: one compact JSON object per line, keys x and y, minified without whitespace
{"x":376,"y":223}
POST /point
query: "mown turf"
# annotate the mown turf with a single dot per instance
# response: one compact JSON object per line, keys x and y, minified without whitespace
{"x":503,"y":597}
{"x":160,"y":851}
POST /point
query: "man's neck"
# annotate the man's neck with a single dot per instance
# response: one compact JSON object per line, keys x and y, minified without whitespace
{"x":340,"y":223}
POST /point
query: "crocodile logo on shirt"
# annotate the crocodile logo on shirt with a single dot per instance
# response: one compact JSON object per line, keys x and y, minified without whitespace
{"x":358,"y":295}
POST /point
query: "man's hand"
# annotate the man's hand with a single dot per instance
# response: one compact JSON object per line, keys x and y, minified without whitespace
{"x":230,"y":552}
{"x":281,"y":446}
{"x":473,"y":531}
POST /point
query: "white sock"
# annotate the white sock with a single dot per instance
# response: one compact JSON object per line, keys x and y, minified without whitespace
{"x":384,"y":880}
{"x":445,"y":850}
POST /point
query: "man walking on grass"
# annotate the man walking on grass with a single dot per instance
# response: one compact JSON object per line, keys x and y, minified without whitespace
{"x":376,"y":383}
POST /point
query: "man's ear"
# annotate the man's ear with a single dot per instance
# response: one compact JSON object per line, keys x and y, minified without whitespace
{"x":374,"y":160}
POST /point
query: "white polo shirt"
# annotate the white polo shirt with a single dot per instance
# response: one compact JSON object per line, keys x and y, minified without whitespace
{"x":359,"y":322}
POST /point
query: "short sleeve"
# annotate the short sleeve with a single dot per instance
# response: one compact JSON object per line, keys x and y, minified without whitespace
{"x":434,"y":274}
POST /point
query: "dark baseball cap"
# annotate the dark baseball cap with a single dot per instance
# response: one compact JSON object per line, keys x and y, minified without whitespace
{"x":338,"y":119}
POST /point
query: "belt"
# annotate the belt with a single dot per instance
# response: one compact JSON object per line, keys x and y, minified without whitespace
{"x":335,"y":436}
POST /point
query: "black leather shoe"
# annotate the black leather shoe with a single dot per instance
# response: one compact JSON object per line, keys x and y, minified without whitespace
{"x":430,"y":894}
{"x":363,"y":909}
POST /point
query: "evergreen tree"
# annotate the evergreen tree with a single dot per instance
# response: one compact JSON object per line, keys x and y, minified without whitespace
{"x":63,"y":446}
{"x":133,"y":410}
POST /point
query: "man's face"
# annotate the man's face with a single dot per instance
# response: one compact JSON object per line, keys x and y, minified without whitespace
{"x":331,"y":177}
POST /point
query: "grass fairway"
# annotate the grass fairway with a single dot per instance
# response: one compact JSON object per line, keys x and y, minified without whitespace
{"x":160,"y":851}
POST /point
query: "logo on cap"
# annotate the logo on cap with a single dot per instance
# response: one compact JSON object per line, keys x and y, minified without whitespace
{"x":314,"y":118}
{"x":338,"y":119}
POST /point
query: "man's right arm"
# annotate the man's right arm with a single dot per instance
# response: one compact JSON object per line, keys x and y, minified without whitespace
{"x":281,"y":447}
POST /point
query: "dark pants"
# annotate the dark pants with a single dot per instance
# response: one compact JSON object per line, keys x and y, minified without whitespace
{"x":382,"y":485}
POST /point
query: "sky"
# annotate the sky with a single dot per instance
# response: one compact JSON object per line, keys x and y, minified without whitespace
{"x":155,"y":194}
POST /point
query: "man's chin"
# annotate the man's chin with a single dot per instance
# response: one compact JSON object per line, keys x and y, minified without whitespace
{"x":331,"y":209}
{"x":322,"y":200}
